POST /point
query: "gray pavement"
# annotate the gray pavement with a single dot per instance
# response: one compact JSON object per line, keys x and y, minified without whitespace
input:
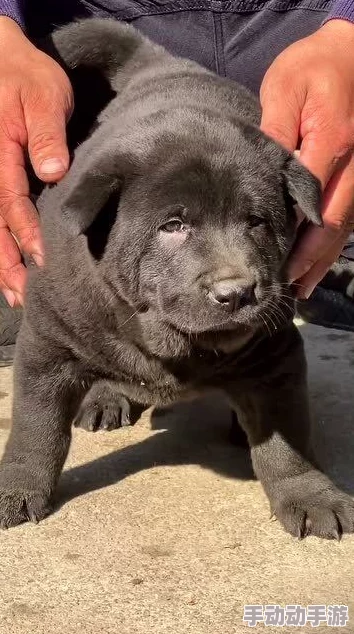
{"x":162,"y":529}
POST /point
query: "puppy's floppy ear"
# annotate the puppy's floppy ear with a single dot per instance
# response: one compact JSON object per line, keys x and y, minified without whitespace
{"x":89,"y":184}
{"x":304,"y":188}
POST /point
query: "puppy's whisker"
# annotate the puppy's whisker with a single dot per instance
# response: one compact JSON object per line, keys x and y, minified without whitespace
{"x":288,"y":296}
{"x":281,"y":311}
{"x":266,"y":325}
{"x":271,"y":320}
{"x":283,"y":301}
{"x":277,"y":313}
{"x":272,"y":328}
{"x":274,"y":289}
{"x":275,"y":286}
{"x":276,"y":318}
{"x":298,"y":285}
{"x":129,"y":318}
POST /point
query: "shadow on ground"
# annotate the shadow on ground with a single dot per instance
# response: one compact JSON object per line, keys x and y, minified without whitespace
{"x":199,"y":433}
{"x":188,"y":433}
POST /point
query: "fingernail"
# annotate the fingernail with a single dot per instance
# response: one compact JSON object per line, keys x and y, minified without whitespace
{"x":10,"y":297}
{"x":309,"y":291}
{"x":38,"y":258}
{"x":52,"y":166}
{"x":292,"y":277}
{"x":305,"y":293}
{"x":295,"y":273}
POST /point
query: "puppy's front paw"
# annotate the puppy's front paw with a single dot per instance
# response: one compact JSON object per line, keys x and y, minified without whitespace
{"x":21,"y":498}
{"x":103,"y":409}
{"x":309,"y":504}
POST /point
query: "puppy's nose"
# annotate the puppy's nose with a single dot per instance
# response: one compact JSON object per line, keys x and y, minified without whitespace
{"x":232,"y":293}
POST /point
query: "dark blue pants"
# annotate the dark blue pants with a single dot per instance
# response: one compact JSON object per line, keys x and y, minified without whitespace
{"x":235,"y":38}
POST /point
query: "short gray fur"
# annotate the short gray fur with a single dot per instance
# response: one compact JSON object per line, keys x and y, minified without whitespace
{"x":131,"y":310}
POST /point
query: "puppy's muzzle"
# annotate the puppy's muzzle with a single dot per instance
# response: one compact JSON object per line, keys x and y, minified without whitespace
{"x":232,"y":294}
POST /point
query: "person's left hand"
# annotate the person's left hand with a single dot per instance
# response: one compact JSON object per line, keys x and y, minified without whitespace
{"x":307,"y":98}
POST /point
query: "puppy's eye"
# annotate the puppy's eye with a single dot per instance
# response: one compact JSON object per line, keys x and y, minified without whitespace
{"x":256,"y":221}
{"x":173,"y":226}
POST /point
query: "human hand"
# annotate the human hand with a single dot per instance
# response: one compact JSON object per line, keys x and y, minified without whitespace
{"x":307,"y":97}
{"x":35,"y":103}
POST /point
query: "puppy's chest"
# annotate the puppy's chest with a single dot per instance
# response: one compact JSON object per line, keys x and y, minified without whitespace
{"x":155,"y":381}
{"x":183,"y":378}
{"x":151,"y":376}
{"x":210,"y":369}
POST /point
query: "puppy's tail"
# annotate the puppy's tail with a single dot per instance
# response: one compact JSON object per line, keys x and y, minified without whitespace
{"x":102,"y":44}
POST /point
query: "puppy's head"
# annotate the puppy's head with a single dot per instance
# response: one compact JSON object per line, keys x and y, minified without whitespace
{"x":202,"y":229}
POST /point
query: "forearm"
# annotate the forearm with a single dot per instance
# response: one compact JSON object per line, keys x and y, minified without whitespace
{"x":13,"y":9}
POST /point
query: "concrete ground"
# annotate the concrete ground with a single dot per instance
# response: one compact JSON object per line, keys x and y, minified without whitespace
{"x":162,"y":529}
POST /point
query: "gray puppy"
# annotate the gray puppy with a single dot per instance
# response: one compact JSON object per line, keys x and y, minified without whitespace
{"x":164,"y":278}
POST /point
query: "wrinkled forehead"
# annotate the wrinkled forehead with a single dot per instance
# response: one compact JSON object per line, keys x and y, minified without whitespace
{"x":216,"y":185}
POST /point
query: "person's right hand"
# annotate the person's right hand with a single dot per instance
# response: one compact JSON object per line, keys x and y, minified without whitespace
{"x":36,"y":101}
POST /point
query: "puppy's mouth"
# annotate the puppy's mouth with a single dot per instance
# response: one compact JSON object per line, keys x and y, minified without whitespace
{"x":270,"y":313}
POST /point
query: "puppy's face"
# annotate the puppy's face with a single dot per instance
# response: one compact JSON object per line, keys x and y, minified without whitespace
{"x":210,"y":252}
{"x":202,"y":238}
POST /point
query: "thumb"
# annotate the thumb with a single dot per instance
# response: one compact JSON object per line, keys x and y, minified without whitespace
{"x":47,"y":145}
{"x":280,"y":115}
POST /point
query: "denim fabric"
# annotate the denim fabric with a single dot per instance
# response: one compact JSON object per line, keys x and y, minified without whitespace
{"x":238,"y":39}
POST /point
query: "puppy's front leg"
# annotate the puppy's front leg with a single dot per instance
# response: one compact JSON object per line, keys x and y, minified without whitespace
{"x":274,"y":412}
{"x":45,"y":402}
